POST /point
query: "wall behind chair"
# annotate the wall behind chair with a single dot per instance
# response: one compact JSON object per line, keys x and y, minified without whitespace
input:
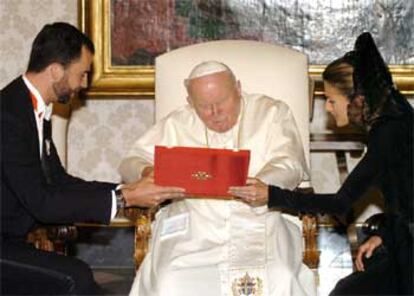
{"x":100,"y":131}
{"x":20,"y":21}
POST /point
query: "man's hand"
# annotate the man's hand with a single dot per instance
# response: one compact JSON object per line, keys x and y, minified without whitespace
{"x":254,"y":193}
{"x":144,"y":193}
{"x":367,"y":248}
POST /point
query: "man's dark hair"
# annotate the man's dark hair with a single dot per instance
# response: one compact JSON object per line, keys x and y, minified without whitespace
{"x":57,"y":43}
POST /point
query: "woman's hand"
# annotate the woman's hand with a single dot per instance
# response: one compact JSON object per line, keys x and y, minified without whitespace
{"x":254,"y":193}
{"x":367,"y":248}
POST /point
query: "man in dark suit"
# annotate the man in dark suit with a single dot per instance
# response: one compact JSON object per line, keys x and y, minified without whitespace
{"x":35,"y":188}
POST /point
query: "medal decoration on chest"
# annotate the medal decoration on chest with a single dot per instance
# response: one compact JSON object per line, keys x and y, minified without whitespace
{"x":47,"y":147}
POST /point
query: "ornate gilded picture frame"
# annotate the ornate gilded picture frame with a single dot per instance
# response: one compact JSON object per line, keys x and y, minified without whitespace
{"x":115,"y":77}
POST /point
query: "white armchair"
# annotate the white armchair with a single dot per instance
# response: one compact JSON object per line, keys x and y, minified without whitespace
{"x":276,"y":71}
{"x":279,"y":72}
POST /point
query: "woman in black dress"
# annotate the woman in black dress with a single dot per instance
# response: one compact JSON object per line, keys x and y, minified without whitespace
{"x":359,"y":90}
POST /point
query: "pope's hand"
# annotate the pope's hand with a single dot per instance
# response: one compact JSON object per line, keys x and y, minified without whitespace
{"x":148,"y":171}
{"x":254,"y":193}
{"x":144,"y":193}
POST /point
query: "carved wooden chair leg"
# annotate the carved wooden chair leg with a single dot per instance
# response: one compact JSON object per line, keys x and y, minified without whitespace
{"x":310,"y":232}
{"x":142,"y":235}
{"x":143,"y":219}
{"x":52,"y":238}
{"x":39,"y":239}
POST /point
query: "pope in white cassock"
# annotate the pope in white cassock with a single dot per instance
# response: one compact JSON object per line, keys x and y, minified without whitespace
{"x":207,"y":247}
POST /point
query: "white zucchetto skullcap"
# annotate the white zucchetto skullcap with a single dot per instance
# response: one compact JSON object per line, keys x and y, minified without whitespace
{"x":207,"y":68}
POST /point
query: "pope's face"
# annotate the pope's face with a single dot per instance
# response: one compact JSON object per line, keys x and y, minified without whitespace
{"x":216,"y":100}
{"x":336,"y":104}
{"x":75,"y":77}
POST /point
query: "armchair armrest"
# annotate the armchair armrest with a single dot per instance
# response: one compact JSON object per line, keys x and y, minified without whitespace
{"x":142,"y":219}
{"x":311,"y":253}
{"x":52,"y":238}
{"x":310,"y":232}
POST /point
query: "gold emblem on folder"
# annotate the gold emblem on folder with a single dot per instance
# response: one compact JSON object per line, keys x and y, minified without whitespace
{"x":247,"y":286}
{"x":202,"y":176}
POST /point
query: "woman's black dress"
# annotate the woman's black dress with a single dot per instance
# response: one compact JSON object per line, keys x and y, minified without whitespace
{"x":388,"y":164}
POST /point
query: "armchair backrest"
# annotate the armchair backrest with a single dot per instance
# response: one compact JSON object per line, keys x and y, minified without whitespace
{"x":273,"y":70}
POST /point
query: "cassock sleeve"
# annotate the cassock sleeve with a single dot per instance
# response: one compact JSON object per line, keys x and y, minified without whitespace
{"x":141,"y":153}
{"x":285,"y":160}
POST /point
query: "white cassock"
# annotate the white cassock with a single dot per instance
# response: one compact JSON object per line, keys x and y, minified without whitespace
{"x":208,"y":247}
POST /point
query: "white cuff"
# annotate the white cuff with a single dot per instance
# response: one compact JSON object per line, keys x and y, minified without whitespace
{"x":114,"y":207}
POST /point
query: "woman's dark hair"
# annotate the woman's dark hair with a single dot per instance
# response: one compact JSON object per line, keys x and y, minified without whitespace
{"x":57,"y":43}
{"x":339,"y":74}
{"x":373,"y":80}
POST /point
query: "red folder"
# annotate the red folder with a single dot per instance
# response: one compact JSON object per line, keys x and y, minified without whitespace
{"x":203,"y":172}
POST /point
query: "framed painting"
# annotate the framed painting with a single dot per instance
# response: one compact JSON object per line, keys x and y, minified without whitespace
{"x":130,"y":34}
